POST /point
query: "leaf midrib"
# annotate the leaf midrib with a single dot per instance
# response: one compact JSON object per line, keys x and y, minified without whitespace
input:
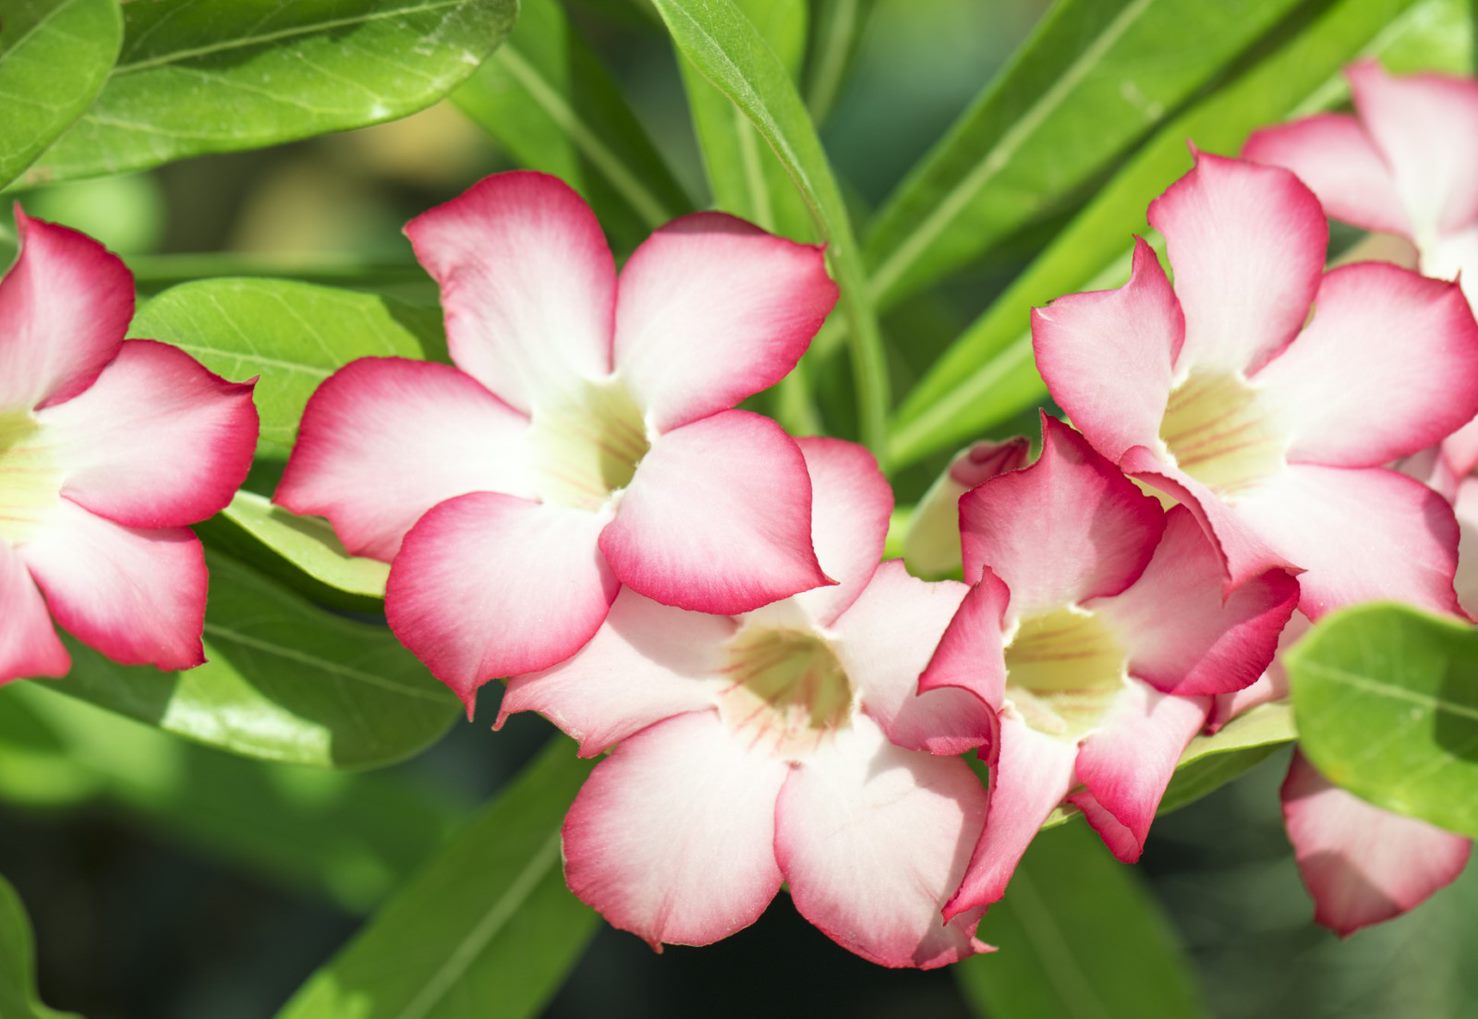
{"x":1365,"y":683}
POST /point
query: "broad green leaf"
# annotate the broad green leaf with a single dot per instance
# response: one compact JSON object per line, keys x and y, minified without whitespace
{"x":198,"y":76}
{"x":1210,"y":762}
{"x":1387,"y":704}
{"x":988,"y":376}
{"x":348,"y":837}
{"x":36,"y":769}
{"x":283,"y":681}
{"x":836,"y":29}
{"x":54,"y":57}
{"x":744,"y":174}
{"x":308,"y":544}
{"x":18,"y":997}
{"x":1094,"y":77}
{"x":727,"y":49}
{"x":1079,"y":936}
{"x":292,"y":335}
{"x":546,"y":98}
{"x":487,"y":927}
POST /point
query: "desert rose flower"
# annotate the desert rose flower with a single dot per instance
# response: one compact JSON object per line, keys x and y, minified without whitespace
{"x":1228,"y":396}
{"x":585,"y":438}
{"x":784,"y":745}
{"x":109,"y":448}
{"x":1096,"y":633}
{"x":932,"y":546}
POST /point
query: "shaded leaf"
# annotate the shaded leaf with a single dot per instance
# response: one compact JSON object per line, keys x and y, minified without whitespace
{"x":198,"y":76}
{"x":18,"y":996}
{"x":486,"y":927}
{"x":836,"y":30}
{"x":1387,"y":704}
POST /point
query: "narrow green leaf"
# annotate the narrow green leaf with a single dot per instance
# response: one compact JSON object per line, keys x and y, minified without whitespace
{"x":1387,"y":704}
{"x":292,"y":335}
{"x":487,"y":926}
{"x":308,"y":544}
{"x":1079,"y":937}
{"x":1210,"y":762}
{"x":283,"y":681}
{"x":198,"y":76}
{"x":54,"y":57}
{"x":720,"y":41}
{"x":546,"y":98}
{"x":988,"y":376}
{"x":837,"y":29}
{"x":18,"y":996}
{"x":1094,"y":77}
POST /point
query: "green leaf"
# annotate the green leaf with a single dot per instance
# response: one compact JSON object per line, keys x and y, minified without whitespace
{"x":198,"y":76}
{"x":988,"y":376}
{"x":1093,"y":78}
{"x":1079,"y":936}
{"x":18,"y":997}
{"x":283,"y":681}
{"x":546,"y":98}
{"x":345,"y":836}
{"x":54,"y":57}
{"x":1387,"y":704}
{"x":727,"y":49}
{"x":837,"y":30}
{"x":292,"y":335}
{"x":1210,"y":762}
{"x":487,"y":924}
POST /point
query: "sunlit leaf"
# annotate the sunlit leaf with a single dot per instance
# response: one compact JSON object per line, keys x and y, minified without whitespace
{"x":487,"y":927}
{"x":54,"y":57}
{"x":1210,"y":762}
{"x":18,"y":996}
{"x":1387,"y":705}
{"x":198,"y":76}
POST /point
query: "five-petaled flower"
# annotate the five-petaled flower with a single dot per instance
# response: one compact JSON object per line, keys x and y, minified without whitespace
{"x":1096,"y":632}
{"x":786,"y":744}
{"x":1272,"y":426}
{"x":585,"y":439}
{"x":109,"y":449}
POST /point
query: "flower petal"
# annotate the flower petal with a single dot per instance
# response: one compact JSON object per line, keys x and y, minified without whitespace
{"x":1127,"y":762}
{"x":1426,"y":126}
{"x":527,"y":282}
{"x":136,"y":595}
{"x":1246,"y":243}
{"x":718,"y":518}
{"x":1465,"y":508}
{"x":156,"y":441}
{"x":932,"y":546}
{"x":1030,"y":776}
{"x":1362,"y":864}
{"x":646,"y":663}
{"x":28,"y":645}
{"x":64,"y":307}
{"x":1068,"y":528}
{"x":885,"y":640}
{"x":384,"y":439}
{"x":1183,"y":633}
{"x":1271,"y":686}
{"x":489,"y":585}
{"x":1337,"y":160}
{"x":1359,"y":535}
{"x":872,"y":839}
{"x":1107,"y":355}
{"x":1346,"y":362}
{"x":672,"y":836}
{"x":972,"y":652}
{"x":713,"y":309}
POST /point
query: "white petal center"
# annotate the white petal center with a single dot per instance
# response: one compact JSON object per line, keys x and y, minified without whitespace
{"x":788,"y":690}
{"x":30,"y":481}
{"x":1221,"y":432}
{"x":586,"y":444}
{"x":1062,"y":670}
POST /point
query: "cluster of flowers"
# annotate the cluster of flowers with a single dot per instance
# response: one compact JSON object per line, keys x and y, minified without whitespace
{"x":577,"y":506}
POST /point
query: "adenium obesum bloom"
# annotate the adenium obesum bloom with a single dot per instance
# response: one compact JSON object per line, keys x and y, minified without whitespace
{"x":1097,"y":632}
{"x":783,"y":745}
{"x":109,"y":449}
{"x":1272,"y":425}
{"x":584,"y":439}
{"x":932,"y":546}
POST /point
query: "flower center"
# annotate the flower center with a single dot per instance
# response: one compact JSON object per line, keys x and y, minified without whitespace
{"x":1062,"y":670}
{"x":788,"y":689}
{"x":587,"y":444}
{"x":1220,"y":433}
{"x":30,"y":483}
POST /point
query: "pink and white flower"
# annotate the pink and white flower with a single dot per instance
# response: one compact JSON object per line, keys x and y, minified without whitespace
{"x":1096,"y":633}
{"x":1228,"y":396}
{"x":932,"y":546}
{"x":109,"y":449}
{"x":585,"y":439}
{"x":782,"y":745}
